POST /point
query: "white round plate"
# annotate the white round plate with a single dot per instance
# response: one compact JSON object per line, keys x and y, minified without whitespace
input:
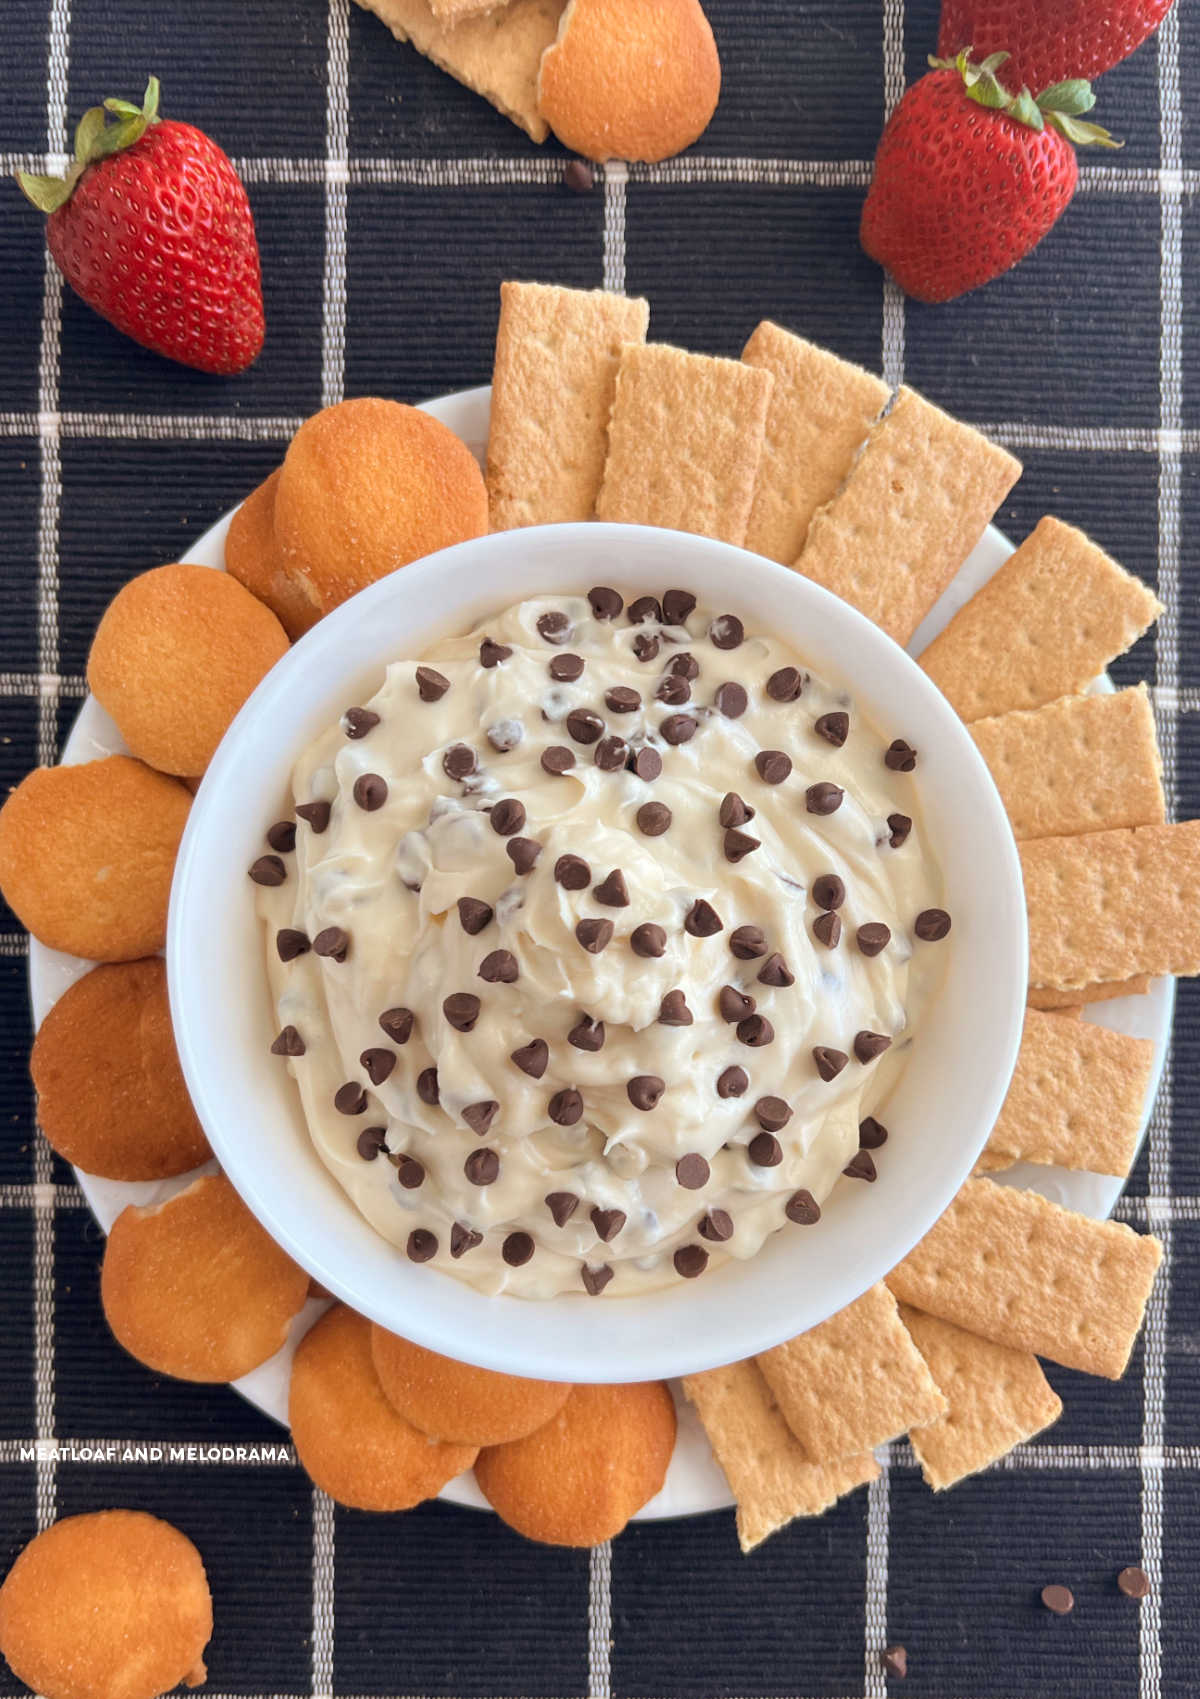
{"x":694,"y":1482}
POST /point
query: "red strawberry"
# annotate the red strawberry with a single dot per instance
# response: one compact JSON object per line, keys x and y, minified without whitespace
{"x":1049,"y":40}
{"x":969,"y":178}
{"x":151,"y":226}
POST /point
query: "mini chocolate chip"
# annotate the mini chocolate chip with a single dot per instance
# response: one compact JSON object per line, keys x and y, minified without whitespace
{"x":332,"y":942}
{"x":587,"y":1034}
{"x":499,"y":967}
{"x":648,"y":939}
{"x":595,"y":1279}
{"x":747,"y":943}
{"x":645,"y":1090}
{"x":282,"y":836}
{"x":370,"y":791}
{"x":459,"y":761}
{"x":772,"y":1114}
{"x":827,"y":929}
{"x":268,"y":870}
{"x":409,"y":1172}
{"x":482,"y":1167}
{"x":738,"y":845}
{"x":765,"y":1150}
{"x":834,"y":728}
{"x":828,"y":891}
{"x":673,"y":1010}
{"x":508,"y":816}
{"x":653,"y":819}
{"x":692,"y":1171}
{"x":461,"y":1009}
{"x":622,"y":700}
{"x":900,"y":826}
{"x":584,"y":726}
{"x":755,"y":1030}
{"x":785,"y":685}
{"x":702,"y":920}
{"x":523,"y":853}
{"x":895,"y":1662}
{"x":562,"y":1206}
{"x":572,"y":873}
{"x":900,"y":757}
{"x":733,"y":811}
{"x":370,"y":1142}
{"x":731,"y":700}
{"x":869,"y":1045}
{"x":565,"y":1107}
{"x":1058,"y":1599}
{"x":427,"y":1086}
{"x":685,"y":665}
{"x":378,"y":1064}
{"x":558,"y":759}
{"x":505,"y":735}
{"x":733,"y":1082}
{"x":726,"y":632}
{"x":316,"y":814}
{"x":479,"y":1116}
{"x":677,"y":605}
{"x":823,"y":798}
{"x":872,"y":1133}
{"x":673,"y":690}
{"x":360,"y":721}
{"x":289,"y":1043}
{"x":716,"y":1226}
{"x":554,"y":627}
{"x":474,"y":914}
{"x":491,"y":654}
{"x":463,"y":1239}
{"x":565,"y":669}
{"x":578,"y":177}
{"x":829,"y":1062}
{"x":350,"y":1099}
{"x":1134,"y":1583}
{"x":645,"y":647}
{"x":397,"y":1024}
{"x":611,"y":754}
{"x":861,"y":1167}
{"x":532,"y":1058}
{"x":605,"y":603}
{"x":608,"y":1223}
{"x":431,"y":684}
{"x":289,"y":943}
{"x":776,"y":972}
{"x":422,"y":1245}
{"x":594,"y":935}
{"x":802,"y":1208}
{"x":932,"y":924}
{"x":644,"y":608}
{"x":690,"y":1261}
{"x":873,"y":937}
{"x":647,"y":764}
{"x":734,"y":1005}
{"x":772,"y":766}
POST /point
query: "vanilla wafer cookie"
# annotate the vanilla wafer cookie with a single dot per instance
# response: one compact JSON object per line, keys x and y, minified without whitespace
{"x":557,"y":352}
{"x":915,"y":504}
{"x":452,"y":10}
{"x":684,"y":442}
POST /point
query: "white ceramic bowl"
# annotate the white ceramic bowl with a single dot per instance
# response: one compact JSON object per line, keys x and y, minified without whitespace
{"x":940,"y":1112}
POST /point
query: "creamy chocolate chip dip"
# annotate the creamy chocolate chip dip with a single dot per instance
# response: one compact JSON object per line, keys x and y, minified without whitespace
{"x":595,"y":944}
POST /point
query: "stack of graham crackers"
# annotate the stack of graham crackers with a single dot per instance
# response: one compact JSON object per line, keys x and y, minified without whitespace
{"x":797,"y":455}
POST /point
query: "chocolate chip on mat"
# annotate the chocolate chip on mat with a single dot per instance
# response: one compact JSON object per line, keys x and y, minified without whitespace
{"x":316,"y":814}
{"x":900,"y":826}
{"x":459,"y":761}
{"x":482,"y":1167}
{"x":673,"y":690}
{"x":823,"y":798}
{"x":872,"y":1133}
{"x":738,"y":845}
{"x":755,"y":1030}
{"x":931,"y":925}
{"x":802,"y":1208}
{"x":587,"y":1034}
{"x":431,"y":684}
{"x":572,"y":873}
{"x":692,"y":1171}
{"x":732,"y":1082}
{"x":409,"y":1172}
{"x":785,"y":684}
{"x":747,"y":943}
{"x":645,"y":1091}
{"x":726,"y":632}
{"x":872,"y":937}
{"x":772,"y":766}
{"x":360,"y":721}
{"x":578,"y":177}
{"x":834,"y":728}
{"x":532,"y":1058}
{"x":505,"y":735}
{"x":491,"y":654}
{"x":479,"y":1116}
{"x":702,"y":920}
{"x":282,"y":836}
{"x":268,"y":870}
{"x":776,"y":972}
{"x":370,"y":1142}
{"x":765,"y":1150}
{"x":733,"y":811}
{"x":422,"y":1245}
{"x":289,"y":1043}
{"x":507,"y":816}
{"x":565,"y":1107}
{"x":499,"y":967}
{"x":611,"y":754}
{"x":350,"y":1099}
{"x":584,"y":726}
{"x":474,"y":914}
{"x":558,"y":759}
{"x":378,"y":1064}
{"x":643,"y":609}
{"x":861,"y":1167}
{"x":461,"y":1010}
{"x":605,"y":602}
{"x":716,"y":1226}
{"x":289,"y":943}
{"x":829,"y":1062}
{"x":595,"y":1279}
{"x":677,"y":605}
{"x":565,"y":669}
{"x":608,"y":1223}
{"x":562,"y":1206}
{"x":772,"y":1113}
{"x":554,"y":627}
{"x":646,"y":647}
{"x":1060,"y":1600}
{"x":647,"y":764}
{"x":613,"y":892}
{"x":869,"y":1045}
{"x":648,"y":940}
{"x":653,"y":819}
{"x":731,"y":700}
{"x":690,"y":1261}
{"x":900,"y":757}
{"x":828,"y":891}
{"x":685,"y":665}
{"x":673,"y":1010}
{"x":427,"y":1086}
{"x":895,"y":1662}
{"x":594,"y":935}
{"x":332,"y":942}
{"x":523,"y":853}
{"x":622,"y":700}
{"x":734,"y":1005}
{"x":827,"y":929}
{"x":1134,"y":1583}
{"x":463,"y":1239}
{"x":678,"y":728}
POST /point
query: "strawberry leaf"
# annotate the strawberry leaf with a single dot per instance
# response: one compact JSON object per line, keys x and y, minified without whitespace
{"x":1081,"y":134}
{"x":1025,"y":110}
{"x":88,"y":128}
{"x":1073,"y":97}
{"x":46,"y":193}
{"x":986,"y":91}
{"x":994,"y":61}
{"x":116,"y":137}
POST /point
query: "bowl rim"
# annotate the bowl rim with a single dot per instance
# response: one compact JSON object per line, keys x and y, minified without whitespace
{"x":483,"y":1344}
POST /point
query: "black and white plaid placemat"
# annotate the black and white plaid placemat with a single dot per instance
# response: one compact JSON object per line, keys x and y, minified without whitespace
{"x":390,"y":203}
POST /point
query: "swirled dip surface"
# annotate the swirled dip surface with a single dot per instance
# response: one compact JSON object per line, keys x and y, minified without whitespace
{"x":568,"y":955}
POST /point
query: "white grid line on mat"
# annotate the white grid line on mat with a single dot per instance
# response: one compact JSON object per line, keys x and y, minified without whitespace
{"x":599,"y":1642}
{"x":616,"y":176}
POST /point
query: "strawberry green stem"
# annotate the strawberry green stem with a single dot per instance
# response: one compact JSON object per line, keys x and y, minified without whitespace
{"x":1061,"y":105}
{"x":95,"y":138}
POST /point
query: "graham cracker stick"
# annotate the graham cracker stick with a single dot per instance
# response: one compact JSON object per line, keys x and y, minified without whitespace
{"x":1104,"y":991}
{"x":684,"y":442}
{"x":1112,"y":904}
{"x":915,"y":504}
{"x":1018,"y":1270}
{"x":1053,"y":617}
{"x":853,"y":1382}
{"x":1081,"y":764}
{"x":762,"y":1459}
{"x":996,"y":1398}
{"x":821,"y":411}
{"x":1076,"y":1098}
{"x":557,"y":352}
{"x":497,"y":53}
